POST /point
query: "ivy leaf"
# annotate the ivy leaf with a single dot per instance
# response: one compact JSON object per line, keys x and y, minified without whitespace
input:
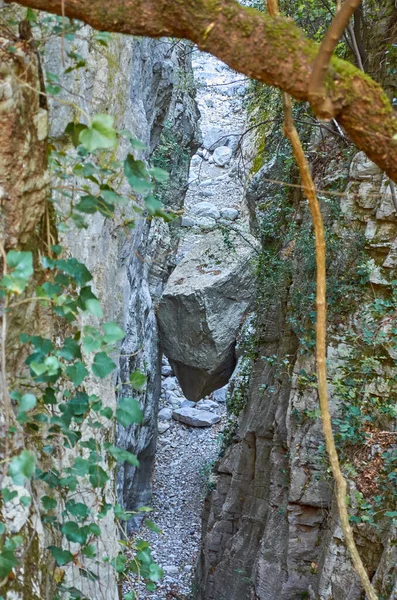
{"x":48,"y":503}
{"x":159,"y":174}
{"x":113,"y":333}
{"x":93,"y":306}
{"x":128,"y":412}
{"x":70,"y":350}
{"x":52,"y":364}
{"x":89,"y":551}
{"x":27,"y":402}
{"x":8,"y":495}
{"x":77,"y":373}
{"x":77,"y":509}
{"x":74,"y":533}
{"x":22,"y":467}
{"x":74,"y":130}
{"x":136,"y":144}
{"x":7,"y":562}
{"x":137,"y":175}
{"x":62,"y":557}
{"x":97,"y":476}
{"x":102,"y":365}
{"x":103,"y":37}
{"x":155,"y":572}
{"x":122,"y":455}
{"x":21,"y":264}
{"x":138,"y":380}
{"x":151,"y":525}
{"x":100,"y":134}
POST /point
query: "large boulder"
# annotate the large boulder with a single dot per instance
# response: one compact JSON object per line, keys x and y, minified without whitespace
{"x":202,"y":308}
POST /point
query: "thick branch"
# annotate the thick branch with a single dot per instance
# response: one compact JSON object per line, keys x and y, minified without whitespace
{"x":270,"y":49}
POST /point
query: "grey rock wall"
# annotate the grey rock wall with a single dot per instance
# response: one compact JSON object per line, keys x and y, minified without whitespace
{"x":270,"y":528}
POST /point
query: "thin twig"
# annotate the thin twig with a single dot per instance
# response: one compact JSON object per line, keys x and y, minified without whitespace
{"x":6,"y":395}
{"x":321,"y":347}
{"x":355,"y":47}
{"x":317,"y":92}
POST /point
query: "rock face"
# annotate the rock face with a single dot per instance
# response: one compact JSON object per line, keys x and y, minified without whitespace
{"x":270,"y":527}
{"x":201,"y":311}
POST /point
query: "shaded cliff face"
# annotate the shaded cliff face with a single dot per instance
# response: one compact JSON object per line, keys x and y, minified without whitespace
{"x":144,"y":83}
{"x":270,"y":528}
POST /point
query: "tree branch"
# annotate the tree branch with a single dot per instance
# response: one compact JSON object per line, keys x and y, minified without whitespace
{"x":272,"y":50}
{"x":318,"y":96}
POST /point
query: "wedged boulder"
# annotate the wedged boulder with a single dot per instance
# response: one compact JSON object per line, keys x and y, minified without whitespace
{"x":195,"y":418}
{"x":202,"y":308}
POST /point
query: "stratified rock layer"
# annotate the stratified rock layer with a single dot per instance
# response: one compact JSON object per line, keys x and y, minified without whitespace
{"x":202,"y":308}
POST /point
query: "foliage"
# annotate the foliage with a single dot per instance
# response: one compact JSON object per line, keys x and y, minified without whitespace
{"x":57,"y":456}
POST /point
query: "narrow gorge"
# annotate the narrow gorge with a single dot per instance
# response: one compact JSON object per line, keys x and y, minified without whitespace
{"x":184,"y":458}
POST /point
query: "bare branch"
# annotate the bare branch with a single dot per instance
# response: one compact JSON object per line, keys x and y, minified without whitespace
{"x":318,"y":96}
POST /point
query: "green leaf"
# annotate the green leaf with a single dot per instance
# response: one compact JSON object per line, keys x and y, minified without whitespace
{"x":107,"y":412}
{"x":391,"y":513}
{"x":77,"y":373}
{"x":38,"y":368}
{"x":130,"y":596}
{"x":31,"y":16}
{"x":21,"y":265}
{"x":97,"y":476}
{"x":8,"y":495}
{"x":88,"y":204}
{"x":103,"y":37}
{"x":22,"y":467}
{"x":136,"y":144}
{"x":81,"y":467}
{"x":137,"y":175}
{"x":100,"y":134}
{"x":78,"y":405}
{"x":89,"y":551}
{"x":2,"y":528}
{"x":128,"y":412}
{"x":62,"y":557}
{"x":52,"y":364}
{"x":74,"y":533}
{"x":93,"y":306}
{"x":122,"y":455}
{"x":102,"y":365}
{"x":7,"y":562}
{"x":94,"y":529}
{"x":48,"y":503}
{"x":155,"y":572}
{"x":151,"y":525}
{"x":159,"y":174}
{"x":25,"y":500}
{"x":70,"y":350}
{"x":27,"y":402}
{"x":74,"y":130}
{"x":77,"y":509}
{"x":138,"y":380}
{"x":112,"y":333}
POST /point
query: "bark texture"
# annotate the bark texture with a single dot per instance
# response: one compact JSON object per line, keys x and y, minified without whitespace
{"x":270,"y":49}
